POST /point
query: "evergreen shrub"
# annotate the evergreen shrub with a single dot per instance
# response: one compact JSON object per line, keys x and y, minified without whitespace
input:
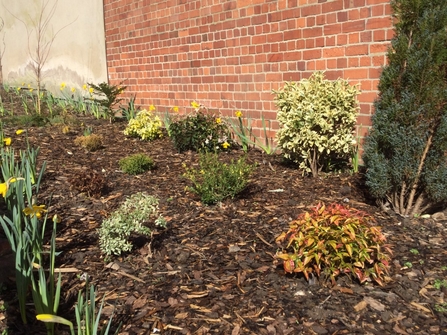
{"x":405,"y":151}
{"x":317,"y":118}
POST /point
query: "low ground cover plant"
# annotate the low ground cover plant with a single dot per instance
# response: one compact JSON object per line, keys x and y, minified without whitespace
{"x":90,"y":142}
{"x":317,"y":119}
{"x":90,"y":182}
{"x":215,"y":181}
{"x":136,"y":164}
{"x":128,"y":219}
{"x":333,"y":240}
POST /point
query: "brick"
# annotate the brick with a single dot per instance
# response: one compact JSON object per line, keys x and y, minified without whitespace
{"x":377,"y":23}
{"x":359,"y":73}
{"x":333,"y":52}
{"x":332,"y":6}
{"x":332,"y":29}
{"x":312,"y":32}
{"x":351,"y":26}
{"x":312,"y":54}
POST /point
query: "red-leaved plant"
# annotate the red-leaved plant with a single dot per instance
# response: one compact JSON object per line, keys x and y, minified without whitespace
{"x":333,"y":240}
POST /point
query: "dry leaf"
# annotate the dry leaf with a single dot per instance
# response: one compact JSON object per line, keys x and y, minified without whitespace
{"x":181,"y":316}
{"x":374,"y":304}
{"x":236,"y":330}
{"x":419,"y":306}
{"x":360,"y":306}
{"x":140,"y":302}
{"x":399,"y":330}
{"x":343,"y":289}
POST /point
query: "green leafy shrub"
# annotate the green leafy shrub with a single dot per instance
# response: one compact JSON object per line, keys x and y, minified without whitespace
{"x":136,"y":164}
{"x":335,"y":240}
{"x":145,"y":125}
{"x":128,"y":219}
{"x":108,"y":96}
{"x":214,"y":181}
{"x":317,"y":118}
{"x":405,"y":152}
{"x":200,"y":132}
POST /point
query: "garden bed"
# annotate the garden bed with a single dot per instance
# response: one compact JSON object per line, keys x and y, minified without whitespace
{"x":212,"y":270}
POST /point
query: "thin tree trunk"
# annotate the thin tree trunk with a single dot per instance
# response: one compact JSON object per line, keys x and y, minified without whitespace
{"x":415,"y":185}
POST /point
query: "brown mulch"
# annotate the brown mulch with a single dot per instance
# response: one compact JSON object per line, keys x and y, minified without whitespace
{"x":212,"y":271}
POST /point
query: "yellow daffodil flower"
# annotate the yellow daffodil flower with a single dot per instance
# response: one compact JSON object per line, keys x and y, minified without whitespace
{"x":7,"y":141}
{"x":19,"y":131}
{"x":151,"y":108}
{"x":31,"y":89}
{"x":90,"y":90}
{"x":175,"y":109}
{"x":218,"y":120}
{"x":238,"y":114}
{"x":29,"y":85}
{"x":225,"y":145}
{"x":3,"y":189}
{"x":19,"y":88}
{"x":63,"y":86}
{"x":195,"y":105}
{"x":73,"y":89}
{"x":5,"y":186}
{"x":84,"y":87}
{"x":35,"y":210}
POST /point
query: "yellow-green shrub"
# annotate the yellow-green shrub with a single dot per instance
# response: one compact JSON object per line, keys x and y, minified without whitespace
{"x":335,"y":240}
{"x":146,"y":125}
{"x":91,"y":142}
{"x":317,"y":118}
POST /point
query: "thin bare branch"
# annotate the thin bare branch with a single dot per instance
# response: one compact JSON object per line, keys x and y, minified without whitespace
{"x":415,"y":184}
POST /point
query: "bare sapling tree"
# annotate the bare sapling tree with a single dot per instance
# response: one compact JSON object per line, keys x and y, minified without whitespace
{"x":2,"y":50}
{"x":40,"y":41}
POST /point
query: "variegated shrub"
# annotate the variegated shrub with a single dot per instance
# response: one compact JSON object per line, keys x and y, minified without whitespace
{"x":317,"y":118}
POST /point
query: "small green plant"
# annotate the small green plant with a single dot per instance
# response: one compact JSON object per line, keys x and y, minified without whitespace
{"x":244,"y":132}
{"x":438,"y":284}
{"x":108,"y":97}
{"x":214,"y":181}
{"x":444,"y":268}
{"x":200,"y":132}
{"x":441,"y":308}
{"x":136,"y":164}
{"x":86,"y":318}
{"x":128,"y":219}
{"x":90,"y":142}
{"x":145,"y":125}
{"x":130,"y":111}
{"x":408,"y":265}
{"x":317,"y":118}
{"x":414,"y":251}
{"x":87,"y":321}
{"x":335,"y":240}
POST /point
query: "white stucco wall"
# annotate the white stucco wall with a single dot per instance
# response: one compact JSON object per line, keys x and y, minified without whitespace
{"x":77,"y":55}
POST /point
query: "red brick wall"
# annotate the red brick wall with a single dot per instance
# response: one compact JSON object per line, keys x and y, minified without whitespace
{"x":230,"y":54}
